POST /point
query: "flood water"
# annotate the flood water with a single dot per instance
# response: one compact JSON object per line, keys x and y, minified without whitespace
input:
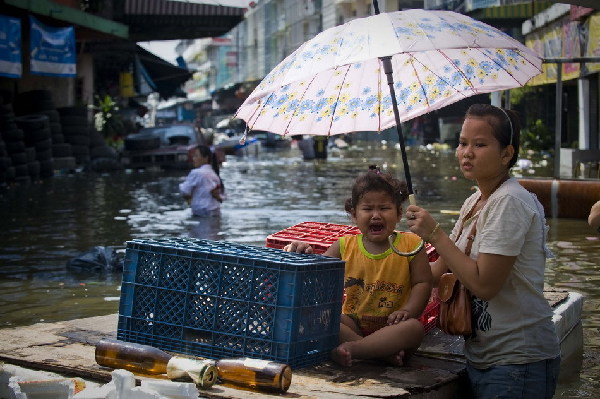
{"x":48,"y":223}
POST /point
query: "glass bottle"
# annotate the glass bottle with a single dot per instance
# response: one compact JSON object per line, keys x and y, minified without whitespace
{"x":145,"y":359}
{"x":130,"y":356}
{"x":255,"y":373}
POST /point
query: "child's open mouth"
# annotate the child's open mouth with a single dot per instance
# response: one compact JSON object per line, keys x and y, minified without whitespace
{"x":376,"y":228}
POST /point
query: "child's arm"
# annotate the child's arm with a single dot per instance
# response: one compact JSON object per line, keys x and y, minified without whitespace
{"x":298,"y":246}
{"x":305,"y":248}
{"x":420,"y":278}
{"x":334,"y":250}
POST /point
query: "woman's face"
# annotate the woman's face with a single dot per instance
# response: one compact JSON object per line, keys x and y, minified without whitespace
{"x":198,"y":159}
{"x":479,"y":153}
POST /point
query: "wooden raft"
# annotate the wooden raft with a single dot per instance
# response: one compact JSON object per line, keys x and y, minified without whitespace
{"x":435,"y":371}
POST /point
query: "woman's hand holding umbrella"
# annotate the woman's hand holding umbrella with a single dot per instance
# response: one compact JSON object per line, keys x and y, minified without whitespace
{"x":421,"y":223}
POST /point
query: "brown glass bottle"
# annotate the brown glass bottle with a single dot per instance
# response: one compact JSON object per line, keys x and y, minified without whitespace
{"x":145,"y":359}
{"x":255,"y":374}
{"x":130,"y":356}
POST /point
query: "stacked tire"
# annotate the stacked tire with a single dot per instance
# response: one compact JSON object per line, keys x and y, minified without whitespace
{"x":15,"y":168}
{"x":75,"y":129}
{"x":7,"y":170}
{"x":5,"y":164}
{"x":103,"y":157}
{"x":38,"y":144}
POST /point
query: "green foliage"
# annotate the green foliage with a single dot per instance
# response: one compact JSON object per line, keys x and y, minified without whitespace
{"x":531,"y":102}
{"x":106,"y":116}
{"x":519,"y":94}
{"x":537,"y":137}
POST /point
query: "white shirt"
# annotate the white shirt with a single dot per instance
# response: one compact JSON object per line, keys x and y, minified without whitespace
{"x":198,"y":184}
{"x":514,"y":327}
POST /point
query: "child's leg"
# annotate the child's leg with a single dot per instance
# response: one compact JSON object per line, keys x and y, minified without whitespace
{"x":349,"y":331}
{"x":386,"y":343}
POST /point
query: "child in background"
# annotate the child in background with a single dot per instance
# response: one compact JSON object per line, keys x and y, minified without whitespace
{"x":385,"y":292}
{"x":203,"y":188}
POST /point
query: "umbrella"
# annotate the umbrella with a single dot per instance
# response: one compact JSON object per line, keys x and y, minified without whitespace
{"x":335,"y":82}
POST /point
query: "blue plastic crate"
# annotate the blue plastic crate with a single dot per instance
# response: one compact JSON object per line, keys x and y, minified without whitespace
{"x":216,"y":299}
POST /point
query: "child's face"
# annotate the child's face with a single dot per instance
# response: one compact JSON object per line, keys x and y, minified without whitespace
{"x":376,"y":215}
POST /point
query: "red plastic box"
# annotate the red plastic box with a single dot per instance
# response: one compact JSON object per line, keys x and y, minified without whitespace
{"x":319,"y":235}
{"x":431,"y":313}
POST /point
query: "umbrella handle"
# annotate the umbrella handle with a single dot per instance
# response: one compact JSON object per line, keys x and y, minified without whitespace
{"x":411,"y":253}
{"x":413,"y":201}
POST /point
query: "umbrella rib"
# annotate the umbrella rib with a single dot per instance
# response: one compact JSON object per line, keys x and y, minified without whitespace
{"x":287,"y":128}
{"x":260,"y":105}
{"x":419,"y":79}
{"x":441,"y":77}
{"x":380,"y":94}
{"x":459,"y":71}
{"x":501,"y":67}
{"x":338,"y":97}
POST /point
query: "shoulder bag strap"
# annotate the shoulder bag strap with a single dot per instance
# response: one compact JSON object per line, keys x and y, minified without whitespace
{"x":471,"y":238}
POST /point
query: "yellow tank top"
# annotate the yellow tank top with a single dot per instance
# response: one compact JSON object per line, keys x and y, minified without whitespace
{"x":375,"y":285}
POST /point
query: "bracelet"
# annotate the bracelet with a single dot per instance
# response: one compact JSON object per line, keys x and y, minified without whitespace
{"x":430,"y":236}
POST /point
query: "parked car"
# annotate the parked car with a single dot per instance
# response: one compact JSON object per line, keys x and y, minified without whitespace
{"x":166,"y":147}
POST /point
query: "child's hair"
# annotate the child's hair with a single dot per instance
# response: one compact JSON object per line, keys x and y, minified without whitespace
{"x":505,"y":125}
{"x":376,"y":180}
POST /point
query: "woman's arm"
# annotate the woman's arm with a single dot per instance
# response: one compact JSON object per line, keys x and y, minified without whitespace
{"x":437,"y":269}
{"x":484,"y":276}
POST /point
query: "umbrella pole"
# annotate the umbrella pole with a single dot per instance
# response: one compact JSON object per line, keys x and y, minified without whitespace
{"x":387,"y":68}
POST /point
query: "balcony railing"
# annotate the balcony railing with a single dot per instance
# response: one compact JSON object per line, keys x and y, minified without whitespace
{"x":469,"y":5}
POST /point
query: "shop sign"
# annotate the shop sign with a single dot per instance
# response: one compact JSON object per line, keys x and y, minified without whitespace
{"x":10,"y":47}
{"x":52,"y":50}
{"x":593,"y":43}
{"x":561,"y":39}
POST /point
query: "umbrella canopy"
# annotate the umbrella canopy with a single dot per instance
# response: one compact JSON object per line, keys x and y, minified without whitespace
{"x":335,"y":83}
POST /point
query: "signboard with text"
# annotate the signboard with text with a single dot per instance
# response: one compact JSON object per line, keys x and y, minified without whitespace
{"x":10,"y":47}
{"x":52,"y":50}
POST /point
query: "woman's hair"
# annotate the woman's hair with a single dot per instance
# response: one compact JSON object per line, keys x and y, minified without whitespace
{"x":205,"y":151}
{"x":376,"y":180}
{"x":505,"y":123}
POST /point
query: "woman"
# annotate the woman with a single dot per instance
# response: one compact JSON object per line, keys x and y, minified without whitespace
{"x":513,"y":351}
{"x":202,"y":187}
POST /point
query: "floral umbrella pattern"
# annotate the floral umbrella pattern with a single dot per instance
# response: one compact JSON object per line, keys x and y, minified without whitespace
{"x":335,"y":82}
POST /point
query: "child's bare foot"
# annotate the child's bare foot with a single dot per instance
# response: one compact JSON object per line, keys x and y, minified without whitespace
{"x":397,"y":359}
{"x":342,"y":356}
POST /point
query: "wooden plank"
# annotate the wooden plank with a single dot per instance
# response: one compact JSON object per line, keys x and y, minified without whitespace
{"x":436,"y":370}
{"x":68,"y":348}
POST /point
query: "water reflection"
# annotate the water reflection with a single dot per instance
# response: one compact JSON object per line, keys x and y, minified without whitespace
{"x":46,"y":224}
